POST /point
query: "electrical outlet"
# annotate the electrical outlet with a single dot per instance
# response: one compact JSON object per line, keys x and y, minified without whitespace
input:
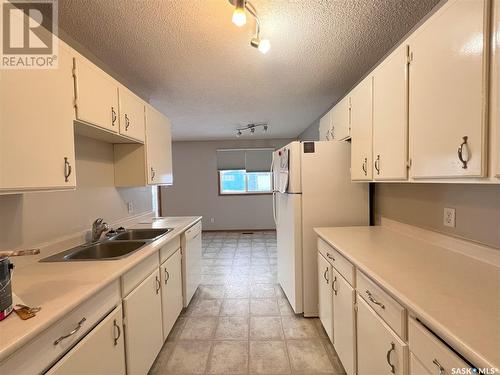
{"x":212,"y":220}
{"x":130,"y":207}
{"x":449,"y":217}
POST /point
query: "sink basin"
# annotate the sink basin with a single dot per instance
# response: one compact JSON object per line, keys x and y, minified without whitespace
{"x":106,"y":250}
{"x":140,"y":234}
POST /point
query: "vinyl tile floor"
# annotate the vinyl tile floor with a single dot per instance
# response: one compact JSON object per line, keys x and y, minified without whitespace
{"x":240,"y":322}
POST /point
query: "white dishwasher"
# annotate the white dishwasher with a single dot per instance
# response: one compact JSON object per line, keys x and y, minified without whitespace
{"x":191,"y":261}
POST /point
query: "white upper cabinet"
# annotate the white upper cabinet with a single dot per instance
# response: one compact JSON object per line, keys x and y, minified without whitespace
{"x":158,"y":148}
{"x":447,"y":90}
{"x":361,"y":131}
{"x":341,"y":115}
{"x":495,"y":86}
{"x":96,"y":96}
{"x":390,"y":122}
{"x":325,"y":127}
{"x":36,"y":127}
{"x":132,"y":116}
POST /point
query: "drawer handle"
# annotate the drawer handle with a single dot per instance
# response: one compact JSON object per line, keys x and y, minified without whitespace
{"x":393,"y":348}
{"x":127,"y":122}
{"x":329,"y":256}
{"x":334,"y":283}
{"x":324,"y":275}
{"x":113,"y":116}
{"x":442,"y":371}
{"x":153,"y":174}
{"x":463,"y":152}
{"x":67,"y":169}
{"x":377,"y":164}
{"x":365,"y":166}
{"x":118,"y":330}
{"x":167,"y":276}
{"x":158,"y":285}
{"x":75,"y":330}
{"x":373,"y":300}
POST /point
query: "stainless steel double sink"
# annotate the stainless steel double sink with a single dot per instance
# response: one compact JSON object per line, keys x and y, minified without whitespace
{"x":117,"y":246}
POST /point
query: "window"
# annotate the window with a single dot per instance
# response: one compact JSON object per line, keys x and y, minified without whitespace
{"x":243,"y":182}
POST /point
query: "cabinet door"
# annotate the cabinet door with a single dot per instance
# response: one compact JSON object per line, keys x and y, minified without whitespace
{"x":325,"y":295}
{"x":191,"y":257}
{"x":343,"y":322}
{"x":380,"y":350}
{"x":96,"y":95}
{"x":143,"y":325}
{"x":495,"y":85}
{"x":416,"y":368}
{"x":447,"y":91}
{"x":390,"y":123}
{"x":101,"y":352}
{"x":36,"y":127}
{"x":324,"y":127}
{"x":132,"y":116}
{"x":171,"y":291}
{"x":158,"y":148}
{"x":341,"y":127}
{"x":361,"y":131}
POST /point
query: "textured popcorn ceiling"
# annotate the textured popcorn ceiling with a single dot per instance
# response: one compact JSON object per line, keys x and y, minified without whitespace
{"x":198,"y":68}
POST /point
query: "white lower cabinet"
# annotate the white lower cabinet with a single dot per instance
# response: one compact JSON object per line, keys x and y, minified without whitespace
{"x":191,"y":261}
{"x":325,"y":295}
{"x":416,"y":368}
{"x":143,"y":325}
{"x":380,"y":350}
{"x":171,"y":291}
{"x":344,"y":332}
{"x":101,"y":352}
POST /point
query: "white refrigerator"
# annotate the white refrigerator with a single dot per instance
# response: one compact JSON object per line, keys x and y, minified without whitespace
{"x":312,"y":188}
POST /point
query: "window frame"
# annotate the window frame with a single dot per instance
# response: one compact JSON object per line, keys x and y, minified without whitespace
{"x":246,"y":193}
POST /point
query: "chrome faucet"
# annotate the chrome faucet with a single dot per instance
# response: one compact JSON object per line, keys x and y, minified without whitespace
{"x":98,"y":228}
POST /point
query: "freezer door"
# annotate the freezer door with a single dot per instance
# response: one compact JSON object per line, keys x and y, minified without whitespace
{"x":289,"y":239}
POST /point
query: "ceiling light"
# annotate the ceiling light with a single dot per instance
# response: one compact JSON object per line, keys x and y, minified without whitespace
{"x":251,"y":127}
{"x":252,"y":131}
{"x":239,"y":133}
{"x":264,"y":46}
{"x":264,"y":129}
{"x":239,"y":16}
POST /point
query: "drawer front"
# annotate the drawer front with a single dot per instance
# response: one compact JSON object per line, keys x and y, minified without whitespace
{"x":341,"y":264}
{"x":430,"y":351}
{"x":416,"y":368}
{"x":139,"y":273}
{"x":387,"y":307}
{"x":169,"y":248}
{"x":193,"y":231}
{"x":41,"y":352}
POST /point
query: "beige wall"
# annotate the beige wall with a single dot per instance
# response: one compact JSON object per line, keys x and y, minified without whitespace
{"x":34,"y":218}
{"x":195,"y":190}
{"x":477,"y":208}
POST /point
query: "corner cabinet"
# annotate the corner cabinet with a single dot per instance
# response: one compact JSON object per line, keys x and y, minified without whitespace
{"x":362,"y":131}
{"x":380,"y":350}
{"x":36,"y":127}
{"x":143,"y":324}
{"x":100,"y":352}
{"x":390,"y":122}
{"x":447,"y":92}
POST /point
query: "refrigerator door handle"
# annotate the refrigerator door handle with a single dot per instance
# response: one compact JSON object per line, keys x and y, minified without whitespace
{"x":275,"y":213}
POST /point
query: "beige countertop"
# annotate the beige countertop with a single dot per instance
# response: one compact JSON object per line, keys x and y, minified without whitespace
{"x":60,"y":287}
{"x":457,"y":296}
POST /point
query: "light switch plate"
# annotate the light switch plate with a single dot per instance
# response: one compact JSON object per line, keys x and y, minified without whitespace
{"x":130,"y":207}
{"x":449,"y":217}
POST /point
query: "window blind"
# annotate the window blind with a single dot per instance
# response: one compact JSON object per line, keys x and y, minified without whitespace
{"x":230,"y":160}
{"x":251,"y":160}
{"x":258,"y":160}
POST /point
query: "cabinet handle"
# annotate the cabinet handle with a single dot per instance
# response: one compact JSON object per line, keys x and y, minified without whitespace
{"x":329,"y":256}
{"x":373,"y":300}
{"x":153,"y":174}
{"x":116,"y":327}
{"x":328,"y":135}
{"x":75,"y":330}
{"x":377,"y":164}
{"x":167,"y":276}
{"x":324,"y":275}
{"x":463,"y":152}
{"x":334,"y":283}
{"x":127,"y":122}
{"x":67,"y":169}
{"x":365,"y":166}
{"x":113,"y":116}
{"x":158,"y":285}
{"x":442,"y":371}
{"x":393,"y":348}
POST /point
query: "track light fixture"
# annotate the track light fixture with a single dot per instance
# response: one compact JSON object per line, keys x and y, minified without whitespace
{"x":240,"y":19}
{"x":251,"y":128}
